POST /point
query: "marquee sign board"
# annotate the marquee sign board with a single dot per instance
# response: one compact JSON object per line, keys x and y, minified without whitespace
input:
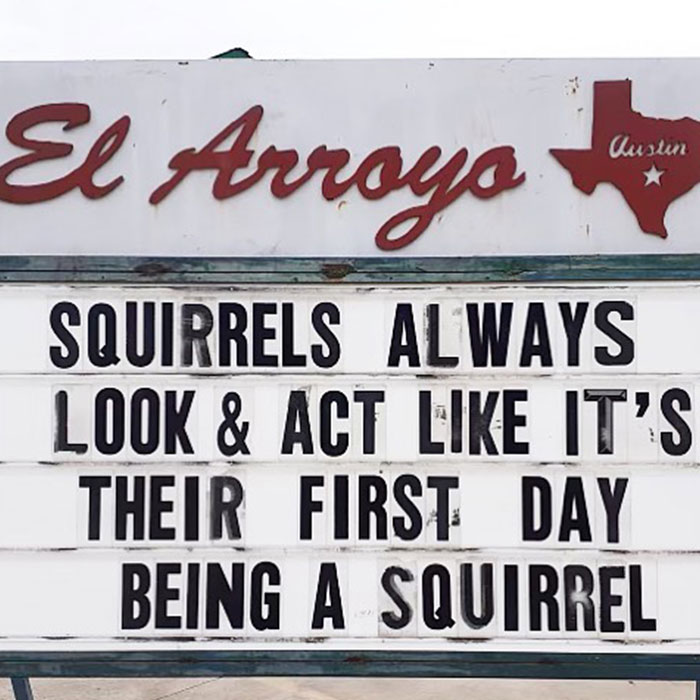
{"x":445,"y":460}
{"x":365,"y":465}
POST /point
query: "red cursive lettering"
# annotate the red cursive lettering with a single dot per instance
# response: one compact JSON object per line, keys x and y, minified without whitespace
{"x":387,"y":162}
{"x":73,"y":114}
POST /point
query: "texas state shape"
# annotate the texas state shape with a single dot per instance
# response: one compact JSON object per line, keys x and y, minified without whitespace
{"x":651,"y":161}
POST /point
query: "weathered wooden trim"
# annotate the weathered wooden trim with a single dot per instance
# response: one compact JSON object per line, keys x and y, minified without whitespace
{"x":352,"y":663}
{"x":164,"y":270}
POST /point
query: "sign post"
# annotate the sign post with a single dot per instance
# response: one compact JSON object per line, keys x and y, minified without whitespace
{"x":378,"y":381}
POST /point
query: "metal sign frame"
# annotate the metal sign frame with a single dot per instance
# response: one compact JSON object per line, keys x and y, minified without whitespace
{"x":615,"y":665}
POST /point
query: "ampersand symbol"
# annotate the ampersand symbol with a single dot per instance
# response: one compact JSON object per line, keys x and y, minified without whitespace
{"x":231,"y":408}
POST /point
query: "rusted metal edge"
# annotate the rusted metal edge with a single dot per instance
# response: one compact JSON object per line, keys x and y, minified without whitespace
{"x":223,"y":270}
{"x":613,"y":666}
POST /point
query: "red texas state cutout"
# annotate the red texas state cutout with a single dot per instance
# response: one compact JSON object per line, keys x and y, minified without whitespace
{"x":651,"y":161}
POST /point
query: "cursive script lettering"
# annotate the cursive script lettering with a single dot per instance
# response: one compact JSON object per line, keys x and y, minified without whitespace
{"x":437,"y":181}
{"x":442,"y":184}
{"x":622,"y":147}
{"x":73,"y":114}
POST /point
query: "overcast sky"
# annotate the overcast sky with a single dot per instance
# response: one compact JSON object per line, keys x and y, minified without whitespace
{"x":105,"y":29}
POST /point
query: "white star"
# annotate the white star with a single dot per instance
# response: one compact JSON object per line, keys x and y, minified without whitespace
{"x":653,"y":176}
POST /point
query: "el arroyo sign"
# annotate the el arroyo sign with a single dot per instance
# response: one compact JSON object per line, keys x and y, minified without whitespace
{"x":650,"y":161}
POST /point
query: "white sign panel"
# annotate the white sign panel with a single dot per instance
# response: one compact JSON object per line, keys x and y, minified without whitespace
{"x":457,"y":467}
{"x":400,"y":158}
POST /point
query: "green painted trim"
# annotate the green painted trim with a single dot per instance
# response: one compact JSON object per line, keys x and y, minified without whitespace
{"x":261,"y":270}
{"x":353,"y":663}
{"x":238,"y":52}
